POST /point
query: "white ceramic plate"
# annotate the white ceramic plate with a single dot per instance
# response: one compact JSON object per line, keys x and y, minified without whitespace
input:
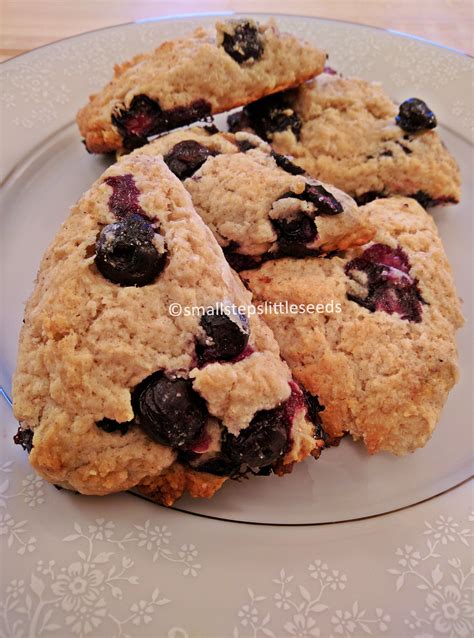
{"x":46,"y":169}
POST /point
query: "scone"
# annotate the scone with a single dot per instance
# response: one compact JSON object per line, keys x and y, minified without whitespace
{"x":192,"y":78}
{"x":258,"y":204}
{"x":383,"y":356}
{"x":348,"y":132}
{"x":112,"y":390}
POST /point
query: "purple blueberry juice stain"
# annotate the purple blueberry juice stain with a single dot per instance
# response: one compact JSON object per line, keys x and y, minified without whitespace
{"x":246,"y":352}
{"x":295,"y":402}
{"x":390,"y":286}
{"x":124,"y":199}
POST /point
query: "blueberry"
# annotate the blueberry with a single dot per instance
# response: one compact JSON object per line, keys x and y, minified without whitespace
{"x":126,"y":254}
{"x":272,"y":114}
{"x":24,"y":437}
{"x":314,"y":408}
{"x":287,"y":165}
{"x":219,"y":465}
{"x":390,"y":287}
{"x":414,"y":115}
{"x":125,"y":194}
{"x":369,"y":196}
{"x":262,"y":443}
{"x":323,"y":200}
{"x":300,"y":229}
{"x":227,"y":336}
{"x":239,"y":261}
{"x":404,"y":148}
{"x":244,"y":44}
{"x":186,"y":157}
{"x":427,"y":201}
{"x":245,"y":145}
{"x":145,"y":117}
{"x":109,"y":426}
{"x":169,"y":410}
{"x":211,"y":129}
{"x":137,"y":122}
{"x":238,"y":121}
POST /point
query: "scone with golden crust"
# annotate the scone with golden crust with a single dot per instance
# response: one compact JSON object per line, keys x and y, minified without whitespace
{"x":258,"y":204}
{"x":115,"y":392}
{"x":383,"y":358}
{"x":348,"y":132}
{"x":188,"y":79}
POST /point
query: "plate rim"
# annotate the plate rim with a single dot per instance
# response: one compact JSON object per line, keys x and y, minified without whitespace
{"x":456,"y":54}
{"x":207,"y":14}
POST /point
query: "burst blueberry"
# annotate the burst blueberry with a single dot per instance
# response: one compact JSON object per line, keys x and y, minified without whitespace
{"x":287,"y":165}
{"x":270,"y":115}
{"x":323,"y":200}
{"x":299,"y":229}
{"x":390,"y":286}
{"x":24,"y":437}
{"x":245,"y":42}
{"x":186,"y":157}
{"x":144,"y":117}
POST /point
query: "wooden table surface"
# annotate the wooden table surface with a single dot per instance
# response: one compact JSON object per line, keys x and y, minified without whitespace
{"x":26,"y":24}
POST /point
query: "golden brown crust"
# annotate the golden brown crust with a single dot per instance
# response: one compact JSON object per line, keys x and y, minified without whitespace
{"x":87,"y":343}
{"x":181,"y":72}
{"x":238,"y":195}
{"x":382,"y":378}
{"x":167,"y":488}
{"x":349,"y":138}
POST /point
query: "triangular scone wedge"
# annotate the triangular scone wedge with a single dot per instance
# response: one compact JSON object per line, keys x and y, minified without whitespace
{"x":259,"y":205}
{"x":122,"y":382}
{"x":191,"y":78}
{"x":348,"y":132}
{"x":381,"y":354}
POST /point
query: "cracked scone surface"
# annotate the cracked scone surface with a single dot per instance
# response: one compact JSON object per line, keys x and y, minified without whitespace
{"x":87,"y":343}
{"x":187,"y":79}
{"x":384,"y":378}
{"x":258,"y":204}
{"x":343,"y":131}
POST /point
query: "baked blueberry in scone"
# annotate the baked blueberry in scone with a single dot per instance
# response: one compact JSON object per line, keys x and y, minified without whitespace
{"x":258,"y":204}
{"x":112,"y":390}
{"x":384,"y":364}
{"x":348,"y":132}
{"x":191,"y":78}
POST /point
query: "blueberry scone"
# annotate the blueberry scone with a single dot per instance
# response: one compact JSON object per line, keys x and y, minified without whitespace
{"x":348,"y":132}
{"x":188,"y":79}
{"x":113,"y":391}
{"x":258,"y":204}
{"x":383,"y":356}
